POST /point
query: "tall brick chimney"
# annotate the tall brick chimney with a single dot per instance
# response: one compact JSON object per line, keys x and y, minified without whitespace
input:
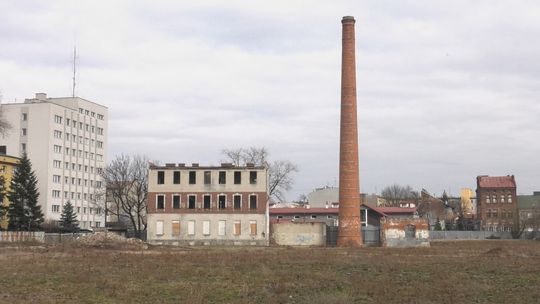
{"x":349,"y":182}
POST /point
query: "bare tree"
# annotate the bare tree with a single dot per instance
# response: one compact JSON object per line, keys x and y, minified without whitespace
{"x":5,"y":126}
{"x":126,"y":182}
{"x":396,"y":193}
{"x":280,"y":172}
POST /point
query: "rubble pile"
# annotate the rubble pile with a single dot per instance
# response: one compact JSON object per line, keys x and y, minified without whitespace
{"x":111,"y":241}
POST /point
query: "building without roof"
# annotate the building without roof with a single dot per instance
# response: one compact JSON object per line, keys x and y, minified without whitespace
{"x":66,"y":141}
{"x":496,"y":202}
{"x":211,"y":205}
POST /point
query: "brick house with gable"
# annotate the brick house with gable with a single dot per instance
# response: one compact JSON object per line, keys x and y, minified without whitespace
{"x":497,"y":202}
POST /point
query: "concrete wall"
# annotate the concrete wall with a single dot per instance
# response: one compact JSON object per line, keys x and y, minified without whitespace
{"x":213,"y":238}
{"x":298,"y":234}
{"x":22,"y":236}
{"x":468,"y":235}
{"x":393,"y":232}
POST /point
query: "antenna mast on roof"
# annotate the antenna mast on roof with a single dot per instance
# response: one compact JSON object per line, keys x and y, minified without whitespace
{"x":74,"y":69}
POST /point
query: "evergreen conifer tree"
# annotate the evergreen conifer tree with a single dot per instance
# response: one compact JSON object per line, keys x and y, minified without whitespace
{"x":3,"y":193}
{"x":24,"y":212}
{"x":438,"y":226}
{"x":68,"y":219}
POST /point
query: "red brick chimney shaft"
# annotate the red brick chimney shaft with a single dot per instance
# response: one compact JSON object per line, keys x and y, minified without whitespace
{"x":349,"y":181}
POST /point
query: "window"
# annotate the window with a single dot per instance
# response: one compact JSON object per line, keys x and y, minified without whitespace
{"x":279,"y":217}
{"x":23,"y":131}
{"x":297,"y":216}
{"x":99,"y":144}
{"x":206,"y":227}
{"x":175,"y":227}
{"x":253,"y":227}
{"x":222,"y":177}
{"x":24,"y":116}
{"x":410,"y":231}
{"x":56,"y":179}
{"x":176,"y":177}
{"x":57,"y":119}
{"x":56,"y":193}
{"x":221,"y":227}
{"x":253,"y":177}
{"x":57,"y":164}
{"x":159,"y":227}
{"x":23,"y":147}
{"x":160,"y":202}
{"x":100,"y":131}
{"x":509,"y":199}
{"x":252,"y":202}
{"x":57,"y":149}
{"x":494,"y":199}
{"x":176,"y":202}
{"x":161,"y":177}
{"x":207,"y":177}
{"x":222,"y":201}
{"x":487,"y":199}
{"x":237,"y":201}
{"x":57,"y":134}
{"x":191,"y":201}
{"x":191,"y":228}
{"x":313,"y":216}
{"x":192,"y":177}
{"x":237,"y":228}
{"x":56,"y":208}
{"x":237,"y":177}
{"x":207,"y":204}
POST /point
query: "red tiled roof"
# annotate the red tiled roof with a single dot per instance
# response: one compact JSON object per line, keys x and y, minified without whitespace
{"x":496,"y":181}
{"x":395,"y":210}
{"x":303,"y":210}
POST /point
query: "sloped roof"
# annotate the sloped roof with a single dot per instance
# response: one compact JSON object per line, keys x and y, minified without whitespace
{"x":496,"y":181}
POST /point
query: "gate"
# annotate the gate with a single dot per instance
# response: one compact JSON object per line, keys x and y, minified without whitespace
{"x":370,"y":236}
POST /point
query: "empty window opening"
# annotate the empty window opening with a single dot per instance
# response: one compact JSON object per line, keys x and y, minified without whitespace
{"x":222,"y":178}
{"x":161,"y":177}
{"x":222,"y":199}
{"x":237,"y":202}
{"x":207,"y":204}
{"x":176,"y":202}
{"x":237,"y":177}
{"x":176,"y":177}
{"x":207,"y":177}
{"x":253,"y":177}
{"x":160,"y":202}
{"x":191,"y":202}
{"x":252,"y":202}
{"x":192,"y":177}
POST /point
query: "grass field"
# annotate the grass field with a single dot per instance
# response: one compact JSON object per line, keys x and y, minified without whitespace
{"x":448,"y":272}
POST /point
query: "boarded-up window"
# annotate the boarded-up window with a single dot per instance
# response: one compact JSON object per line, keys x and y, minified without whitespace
{"x":237,"y":202}
{"x":175,"y":228}
{"x":221,"y":227}
{"x":159,"y":227}
{"x":191,"y":228}
{"x":237,"y":228}
{"x":206,"y":227}
{"x":176,"y":202}
{"x":253,"y":227}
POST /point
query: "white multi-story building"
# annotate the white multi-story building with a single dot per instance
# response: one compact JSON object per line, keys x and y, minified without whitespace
{"x":66,"y":141}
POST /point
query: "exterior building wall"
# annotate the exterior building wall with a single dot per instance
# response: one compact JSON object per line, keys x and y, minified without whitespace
{"x":298,"y":234}
{"x":497,"y":206}
{"x":322,"y":197}
{"x":77,"y":159}
{"x":164,"y":190}
{"x":466,"y":195}
{"x":7,"y":166}
{"x":398,"y":233}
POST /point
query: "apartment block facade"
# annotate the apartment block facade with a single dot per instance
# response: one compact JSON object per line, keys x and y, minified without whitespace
{"x":211,"y":205}
{"x":496,"y":202}
{"x":66,"y":141}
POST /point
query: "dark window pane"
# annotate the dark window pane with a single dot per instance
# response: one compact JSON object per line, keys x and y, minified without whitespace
{"x":207,"y":177}
{"x":176,"y":202}
{"x":237,"y":177}
{"x":222,"y":177}
{"x":206,"y":202}
{"x":252,"y":202}
{"x":237,"y":201}
{"x":191,"y":202}
{"x":176,"y":177}
{"x":161,"y":202}
{"x":160,"y":177}
{"x":253,"y":177}
{"x":192,"y":177}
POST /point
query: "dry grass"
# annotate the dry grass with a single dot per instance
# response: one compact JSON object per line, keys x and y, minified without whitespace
{"x":448,"y":272}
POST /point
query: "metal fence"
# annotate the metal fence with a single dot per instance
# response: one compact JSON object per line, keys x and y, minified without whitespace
{"x":370,"y":236}
{"x":22,"y":236}
{"x":468,"y":235}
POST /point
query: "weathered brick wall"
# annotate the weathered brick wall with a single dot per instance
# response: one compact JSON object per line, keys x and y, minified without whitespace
{"x":394,"y":232}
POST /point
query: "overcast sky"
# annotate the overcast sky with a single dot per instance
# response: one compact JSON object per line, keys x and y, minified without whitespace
{"x":447,"y":90}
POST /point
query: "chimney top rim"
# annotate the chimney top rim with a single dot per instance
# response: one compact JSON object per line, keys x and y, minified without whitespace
{"x":348,"y":19}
